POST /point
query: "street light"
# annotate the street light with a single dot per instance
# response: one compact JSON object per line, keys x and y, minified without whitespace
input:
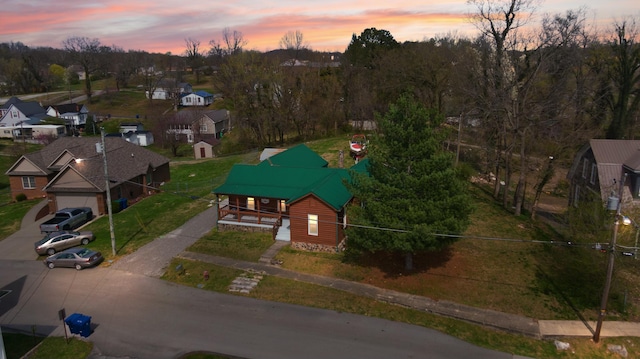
{"x":612,"y":247}
{"x":627,"y":222}
{"x":108,"y":190}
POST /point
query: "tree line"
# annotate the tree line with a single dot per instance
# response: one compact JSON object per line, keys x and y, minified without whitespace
{"x":518,"y":89}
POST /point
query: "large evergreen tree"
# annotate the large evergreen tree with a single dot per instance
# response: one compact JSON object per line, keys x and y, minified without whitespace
{"x":413,"y":198}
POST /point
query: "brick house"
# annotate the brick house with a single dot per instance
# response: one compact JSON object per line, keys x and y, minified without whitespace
{"x":70,"y":173}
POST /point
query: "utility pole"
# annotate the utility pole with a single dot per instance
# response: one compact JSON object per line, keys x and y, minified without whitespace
{"x":108,"y":190}
{"x":612,"y":256}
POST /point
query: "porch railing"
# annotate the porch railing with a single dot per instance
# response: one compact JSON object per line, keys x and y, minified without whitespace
{"x":248,"y":216}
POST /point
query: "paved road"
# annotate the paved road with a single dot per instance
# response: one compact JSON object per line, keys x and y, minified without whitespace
{"x":144,"y":317}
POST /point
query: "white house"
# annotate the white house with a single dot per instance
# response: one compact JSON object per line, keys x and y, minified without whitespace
{"x":198,"y":98}
{"x":131,"y":127}
{"x":134,"y":132}
{"x":166,"y":90}
{"x":75,"y":115}
{"x":16,"y":111}
{"x":32,"y":133}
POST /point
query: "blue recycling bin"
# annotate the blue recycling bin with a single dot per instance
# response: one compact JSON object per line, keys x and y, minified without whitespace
{"x":123,"y":203}
{"x":79,"y":324}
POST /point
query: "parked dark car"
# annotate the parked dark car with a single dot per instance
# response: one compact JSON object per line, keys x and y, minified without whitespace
{"x":77,"y":258}
{"x":56,"y":241}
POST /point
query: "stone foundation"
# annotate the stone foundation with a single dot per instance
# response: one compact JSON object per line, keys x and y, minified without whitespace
{"x":314,"y":247}
{"x":223,"y":227}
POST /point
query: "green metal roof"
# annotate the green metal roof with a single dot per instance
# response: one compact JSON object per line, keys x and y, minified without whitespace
{"x":289,"y":176}
{"x":297,"y":156}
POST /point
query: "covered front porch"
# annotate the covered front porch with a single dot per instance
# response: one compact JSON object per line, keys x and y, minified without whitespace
{"x":238,"y":211}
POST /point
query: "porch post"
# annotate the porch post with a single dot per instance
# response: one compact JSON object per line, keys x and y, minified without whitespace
{"x":258,"y":208}
{"x":238,"y":208}
{"x":217,"y":204}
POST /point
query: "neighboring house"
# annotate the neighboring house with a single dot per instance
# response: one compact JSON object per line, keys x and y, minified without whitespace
{"x":292,"y":194}
{"x":138,"y":138}
{"x":32,"y":133}
{"x":75,"y":115}
{"x":598,"y":168}
{"x":70,"y":173}
{"x":168,"y":89}
{"x":201,"y":126}
{"x":198,"y":98}
{"x":134,"y":132}
{"x":16,"y":112}
{"x":131,"y":127}
{"x":78,"y":70}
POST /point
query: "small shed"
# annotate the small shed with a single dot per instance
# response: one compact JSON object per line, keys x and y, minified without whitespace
{"x":203,"y":149}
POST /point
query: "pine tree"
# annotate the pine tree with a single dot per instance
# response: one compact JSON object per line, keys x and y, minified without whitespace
{"x":412,"y":194}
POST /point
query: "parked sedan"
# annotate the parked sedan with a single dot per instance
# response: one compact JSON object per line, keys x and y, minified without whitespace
{"x":57,"y":241}
{"x":77,"y":258}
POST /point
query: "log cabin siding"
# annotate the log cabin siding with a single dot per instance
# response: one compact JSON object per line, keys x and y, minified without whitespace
{"x":328,"y":229}
{"x":240,"y":202}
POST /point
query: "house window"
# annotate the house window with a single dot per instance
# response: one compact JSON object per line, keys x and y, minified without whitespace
{"x":251,"y":203}
{"x":585,"y":166}
{"x":28,"y":182}
{"x":203,"y":128}
{"x":283,"y":205}
{"x":312,"y":221}
{"x":594,"y":172}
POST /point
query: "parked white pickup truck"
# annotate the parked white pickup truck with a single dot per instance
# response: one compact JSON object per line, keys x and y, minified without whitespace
{"x":67,"y":219}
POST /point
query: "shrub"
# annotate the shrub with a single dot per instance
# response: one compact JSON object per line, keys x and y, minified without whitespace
{"x":21,"y":197}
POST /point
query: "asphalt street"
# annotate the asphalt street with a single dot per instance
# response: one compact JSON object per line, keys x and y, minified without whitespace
{"x":137,"y":316}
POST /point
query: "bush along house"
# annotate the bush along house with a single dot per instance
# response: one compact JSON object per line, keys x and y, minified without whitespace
{"x":292,"y":194}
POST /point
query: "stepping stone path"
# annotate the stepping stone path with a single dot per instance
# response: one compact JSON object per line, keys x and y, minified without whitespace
{"x":246,"y":281}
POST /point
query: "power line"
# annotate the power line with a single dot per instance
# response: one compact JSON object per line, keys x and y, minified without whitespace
{"x":459,"y":236}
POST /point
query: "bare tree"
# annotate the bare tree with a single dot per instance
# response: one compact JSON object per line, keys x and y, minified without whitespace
{"x":293,"y":42}
{"x":232,"y":43}
{"x":87,"y":53}
{"x":498,"y":22}
{"x":195,"y":56}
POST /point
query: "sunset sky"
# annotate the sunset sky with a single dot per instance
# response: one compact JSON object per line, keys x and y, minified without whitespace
{"x":163,"y":25}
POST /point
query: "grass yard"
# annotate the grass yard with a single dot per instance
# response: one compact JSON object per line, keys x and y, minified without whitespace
{"x":245,"y":246}
{"x":127,"y":103}
{"x":187,"y":194}
{"x":523,"y":277}
{"x":18,"y":345}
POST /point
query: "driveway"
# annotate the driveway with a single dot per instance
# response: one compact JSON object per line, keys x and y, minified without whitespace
{"x":19,"y":246}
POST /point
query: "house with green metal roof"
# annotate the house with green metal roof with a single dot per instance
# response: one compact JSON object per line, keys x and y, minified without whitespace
{"x":293,"y":193}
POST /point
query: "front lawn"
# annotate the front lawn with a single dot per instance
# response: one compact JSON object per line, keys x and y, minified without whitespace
{"x":186,"y":195}
{"x":245,"y":246}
